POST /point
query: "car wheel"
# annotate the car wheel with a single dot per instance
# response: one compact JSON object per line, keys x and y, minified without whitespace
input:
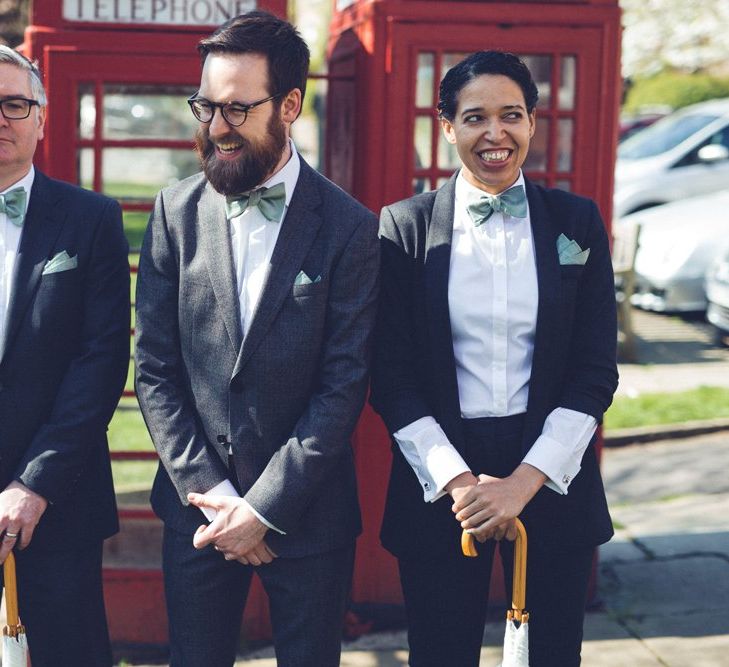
{"x":720,"y":338}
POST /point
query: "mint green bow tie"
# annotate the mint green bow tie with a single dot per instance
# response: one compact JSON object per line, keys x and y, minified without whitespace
{"x":511,"y":202}
{"x":12,"y":204}
{"x":270,"y":202}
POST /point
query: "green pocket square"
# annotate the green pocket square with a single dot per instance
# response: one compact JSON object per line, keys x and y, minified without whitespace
{"x":303,"y":279}
{"x":60,"y":262}
{"x":570,"y":252}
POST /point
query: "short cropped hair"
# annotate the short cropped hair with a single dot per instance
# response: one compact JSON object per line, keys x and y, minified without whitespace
{"x":10,"y":56}
{"x":260,"y":32}
{"x":485,"y":62}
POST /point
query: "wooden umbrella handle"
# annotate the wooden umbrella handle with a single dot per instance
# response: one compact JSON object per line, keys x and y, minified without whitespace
{"x":518,"y":596}
{"x":11,"y":590}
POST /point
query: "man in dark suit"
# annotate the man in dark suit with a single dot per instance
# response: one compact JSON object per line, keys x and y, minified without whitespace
{"x":494,"y":363}
{"x":64,"y":355}
{"x":255,"y":307}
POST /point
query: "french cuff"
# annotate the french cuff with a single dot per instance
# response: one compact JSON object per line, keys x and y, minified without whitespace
{"x":434,"y":460}
{"x":559,"y":463}
{"x":224,"y":488}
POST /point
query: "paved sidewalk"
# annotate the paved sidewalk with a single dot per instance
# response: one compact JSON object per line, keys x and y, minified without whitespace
{"x":663,"y":579}
{"x":673,"y":354}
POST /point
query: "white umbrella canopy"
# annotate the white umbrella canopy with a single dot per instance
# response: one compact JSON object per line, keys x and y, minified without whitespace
{"x":15,"y":643}
{"x":516,"y":636}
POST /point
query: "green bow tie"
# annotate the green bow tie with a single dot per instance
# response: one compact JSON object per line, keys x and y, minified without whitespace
{"x":511,"y":202}
{"x":270,"y":202}
{"x":12,"y":204}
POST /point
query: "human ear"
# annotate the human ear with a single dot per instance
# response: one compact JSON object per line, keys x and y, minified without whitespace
{"x":449,"y":131}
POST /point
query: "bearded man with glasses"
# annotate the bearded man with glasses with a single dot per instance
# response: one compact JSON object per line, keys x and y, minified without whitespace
{"x":255,"y":308}
{"x":64,"y":356}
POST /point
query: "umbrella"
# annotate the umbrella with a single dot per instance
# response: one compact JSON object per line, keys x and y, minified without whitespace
{"x":15,"y":643}
{"x":516,"y":637}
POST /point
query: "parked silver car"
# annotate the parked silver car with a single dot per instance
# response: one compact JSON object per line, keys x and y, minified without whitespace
{"x":683,"y":155}
{"x":677,"y":243}
{"x":717,"y":293}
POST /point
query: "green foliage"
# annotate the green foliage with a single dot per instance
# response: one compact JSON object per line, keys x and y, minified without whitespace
{"x":650,"y":409}
{"x":674,"y":89}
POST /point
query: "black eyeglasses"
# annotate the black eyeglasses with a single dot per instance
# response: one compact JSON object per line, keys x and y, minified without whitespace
{"x":17,"y":108}
{"x":234,"y":113}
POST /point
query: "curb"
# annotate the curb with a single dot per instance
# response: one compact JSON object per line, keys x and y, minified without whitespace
{"x":628,"y":436}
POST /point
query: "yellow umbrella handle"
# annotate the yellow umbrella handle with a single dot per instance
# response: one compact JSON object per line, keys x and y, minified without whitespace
{"x":518,"y":597}
{"x":11,"y":590}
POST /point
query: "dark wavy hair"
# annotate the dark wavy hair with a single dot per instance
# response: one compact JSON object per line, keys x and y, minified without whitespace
{"x":260,"y":32}
{"x":484,"y":62}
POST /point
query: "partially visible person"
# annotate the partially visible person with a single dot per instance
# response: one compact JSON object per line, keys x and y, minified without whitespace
{"x":255,"y":310}
{"x":64,"y":355}
{"x":495,"y":359}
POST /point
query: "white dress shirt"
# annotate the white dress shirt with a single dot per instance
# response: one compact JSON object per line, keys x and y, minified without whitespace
{"x":9,"y":244}
{"x":493,"y":345}
{"x":253,"y":238}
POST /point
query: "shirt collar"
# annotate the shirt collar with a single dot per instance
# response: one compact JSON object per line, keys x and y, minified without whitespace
{"x":467,"y":193}
{"x":26,"y":183}
{"x":288,"y":174}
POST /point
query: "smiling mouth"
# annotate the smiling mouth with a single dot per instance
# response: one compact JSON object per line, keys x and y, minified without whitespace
{"x":228,"y":149}
{"x":495,"y":157}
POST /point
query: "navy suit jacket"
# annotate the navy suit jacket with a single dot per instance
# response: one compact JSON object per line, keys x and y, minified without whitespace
{"x":414,"y":372}
{"x":65,"y":360}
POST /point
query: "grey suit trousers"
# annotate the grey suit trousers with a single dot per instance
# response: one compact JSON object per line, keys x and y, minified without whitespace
{"x":308,"y":598}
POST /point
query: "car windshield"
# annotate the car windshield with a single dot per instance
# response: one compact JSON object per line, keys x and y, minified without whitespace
{"x":663,"y":135}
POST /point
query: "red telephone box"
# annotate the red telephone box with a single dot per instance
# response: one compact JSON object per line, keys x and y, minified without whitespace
{"x":386,"y":60}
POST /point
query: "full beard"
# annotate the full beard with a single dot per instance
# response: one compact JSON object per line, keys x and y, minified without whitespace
{"x":255,"y":163}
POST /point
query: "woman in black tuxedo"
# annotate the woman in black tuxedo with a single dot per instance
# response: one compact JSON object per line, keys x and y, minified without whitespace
{"x":494,"y":363}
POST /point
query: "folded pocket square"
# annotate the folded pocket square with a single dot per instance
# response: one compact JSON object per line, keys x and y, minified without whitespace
{"x":570,"y":252}
{"x":60,"y":262}
{"x":303,"y":279}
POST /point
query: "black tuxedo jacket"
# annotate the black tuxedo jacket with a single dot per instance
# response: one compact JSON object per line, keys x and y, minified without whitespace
{"x":65,"y":360}
{"x":414,"y":372}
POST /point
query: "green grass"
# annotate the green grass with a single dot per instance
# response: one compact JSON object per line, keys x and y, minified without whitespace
{"x":135,"y":224}
{"x":127,"y":432}
{"x":672,"y":408}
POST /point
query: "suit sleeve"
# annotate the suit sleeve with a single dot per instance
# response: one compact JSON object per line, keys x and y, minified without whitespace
{"x":592,"y":374}
{"x":94,"y":380}
{"x":161,"y":381}
{"x":299,"y":469}
{"x":396,"y":390}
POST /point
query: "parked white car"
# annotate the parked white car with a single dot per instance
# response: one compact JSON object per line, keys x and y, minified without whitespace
{"x":683,"y":155}
{"x":677,"y":243}
{"x":717,"y":293}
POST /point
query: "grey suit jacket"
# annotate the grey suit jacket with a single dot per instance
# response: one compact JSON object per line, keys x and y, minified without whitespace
{"x":289,"y":395}
{"x":65,"y":360}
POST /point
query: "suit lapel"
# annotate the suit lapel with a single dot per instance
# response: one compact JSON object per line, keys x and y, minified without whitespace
{"x":43,"y":223}
{"x":298,"y":231}
{"x":437,"y":271}
{"x":215,"y":234}
{"x":544,"y":233}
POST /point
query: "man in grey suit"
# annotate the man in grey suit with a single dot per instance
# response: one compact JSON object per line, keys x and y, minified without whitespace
{"x":255,"y":306}
{"x":64,"y":357}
